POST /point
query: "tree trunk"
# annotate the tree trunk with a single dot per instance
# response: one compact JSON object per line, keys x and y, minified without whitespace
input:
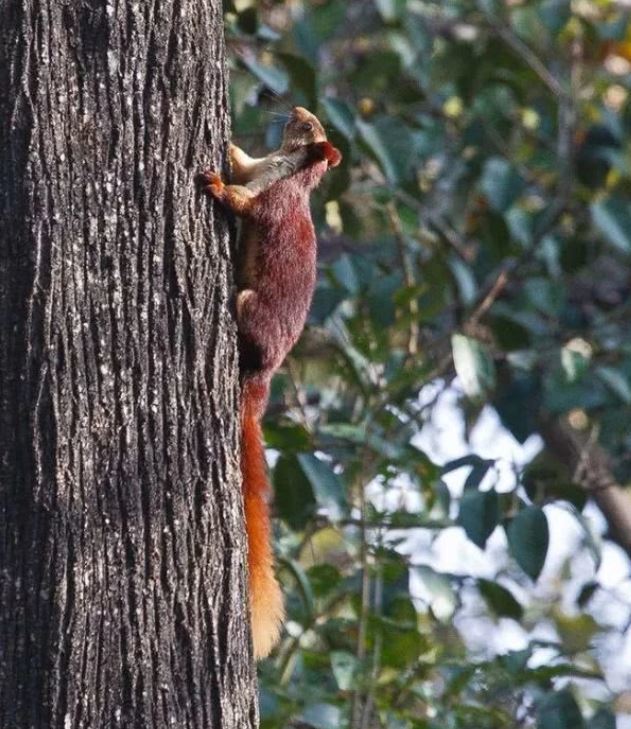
{"x":122,"y":570}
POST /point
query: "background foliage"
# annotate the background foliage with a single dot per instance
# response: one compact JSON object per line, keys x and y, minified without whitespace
{"x":475,"y":259}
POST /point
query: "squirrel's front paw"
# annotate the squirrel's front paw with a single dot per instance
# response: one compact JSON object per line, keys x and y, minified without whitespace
{"x":212,"y":183}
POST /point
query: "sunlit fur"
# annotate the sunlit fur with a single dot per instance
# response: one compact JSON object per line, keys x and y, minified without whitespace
{"x":302,"y":128}
{"x":277,"y":276}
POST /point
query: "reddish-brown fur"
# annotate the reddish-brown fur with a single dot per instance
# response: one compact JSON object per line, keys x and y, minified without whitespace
{"x":276,"y":283}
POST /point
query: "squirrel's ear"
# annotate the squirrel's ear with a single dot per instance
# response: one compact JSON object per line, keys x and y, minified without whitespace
{"x":331,"y":154}
{"x":325,"y":151}
{"x":334,"y":156}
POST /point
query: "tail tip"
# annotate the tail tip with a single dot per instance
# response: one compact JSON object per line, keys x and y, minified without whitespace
{"x":268,"y":614}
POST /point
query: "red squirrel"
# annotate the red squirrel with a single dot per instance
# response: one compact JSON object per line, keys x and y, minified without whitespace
{"x":275,"y":280}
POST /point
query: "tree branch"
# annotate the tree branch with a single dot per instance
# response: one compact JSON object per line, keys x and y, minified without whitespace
{"x":527,"y":55}
{"x":590,"y":463}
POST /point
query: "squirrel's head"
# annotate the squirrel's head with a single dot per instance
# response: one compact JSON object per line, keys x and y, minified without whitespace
{"x":301,"y":129}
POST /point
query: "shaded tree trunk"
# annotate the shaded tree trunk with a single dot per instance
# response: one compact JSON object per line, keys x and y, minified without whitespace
{"x":122,"y":571}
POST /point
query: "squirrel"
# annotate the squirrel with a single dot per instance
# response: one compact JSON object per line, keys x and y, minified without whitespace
{"x":276,"y":275}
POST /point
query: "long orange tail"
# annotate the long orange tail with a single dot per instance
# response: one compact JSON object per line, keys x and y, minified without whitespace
{"x":266,"y":600}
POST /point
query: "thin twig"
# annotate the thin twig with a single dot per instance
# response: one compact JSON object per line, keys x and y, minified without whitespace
{"x":460,"y":245}
{"x":293,"y":645}
{"x":360,"y":651}
{"x":527,"y":55}
{"x":489,"y":299}
{"x":408,"y":277}
{"x":582,"y":463}
{"x":301,"y":400}
{"x":370,"y":696}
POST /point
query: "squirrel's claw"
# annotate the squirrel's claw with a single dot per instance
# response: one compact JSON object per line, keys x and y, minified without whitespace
{"x":211,"y":183}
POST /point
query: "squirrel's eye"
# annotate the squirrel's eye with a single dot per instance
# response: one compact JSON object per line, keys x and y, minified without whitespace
{"x":306,"y":126}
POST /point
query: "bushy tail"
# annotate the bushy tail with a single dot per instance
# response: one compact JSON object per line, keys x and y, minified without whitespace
{"x":266,"y":601}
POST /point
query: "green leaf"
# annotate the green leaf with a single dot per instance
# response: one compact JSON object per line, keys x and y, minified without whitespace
{"x":287,"y":436}
{"x":293,"y":493}
{"x":479,"y":515}
{"x":517,"y":403}
{"x":501,"y":183}
{"x":325,"y":301}
{"x":602,"y":719}
{"x":395,"y":573}
{"x":477,"y":474}
{"x":268,"y":705}
{"x":586,"y":594}
{"x":473,"y":364}
{"x":591,"y":539}
{"x":612,"y":216}
{"x":267,"y":34}
{"x":401,"y":607}
{"x":391,"y":142}
{"x":500,"y":600}
{"x":490,"y":6}
{"x":327,"y":17}
{"x":521,"y":225}
{"x":545,"y":295}
{"x":564,"y":491}
{"x":376,"y":74}
{"x":555,"y":14}
{"x":322,"y":716}
{"x":559,"y":711}
{"x":401,"y":645}
{"x":357,"y":434}
{"x":345,"y":274}
{"x":472,"y":459}
{"x":574,"y":364}
{"x":344,"y":666}
{"x":304,"y":585}
{"x":324,"y":579}
{"x":516,"y":661}
{"x":390,"y":10}
{"x":274,"y":78}
{"x":325,"y":483}
{"x":340,"y":115}
{"x":528,"y":540}
{"x":546,"y":479}
{"x":561,"y":396}
{"x":380,"y":300}
{"x":302,"y":77}
{"x":543,"y":675}
{"x":443,"y":600}
{"x":577,"y":632}
{"x":248,"y":21}
{"x":616,"y":382}
{"x":465,"y":280}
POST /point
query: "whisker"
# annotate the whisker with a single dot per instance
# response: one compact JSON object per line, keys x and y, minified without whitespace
{"x":274,"y":96}
{"x":283,"y":115}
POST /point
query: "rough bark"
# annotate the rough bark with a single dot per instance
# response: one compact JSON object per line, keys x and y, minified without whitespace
{"x":588,"y":462}
{"x":122,"y":569}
